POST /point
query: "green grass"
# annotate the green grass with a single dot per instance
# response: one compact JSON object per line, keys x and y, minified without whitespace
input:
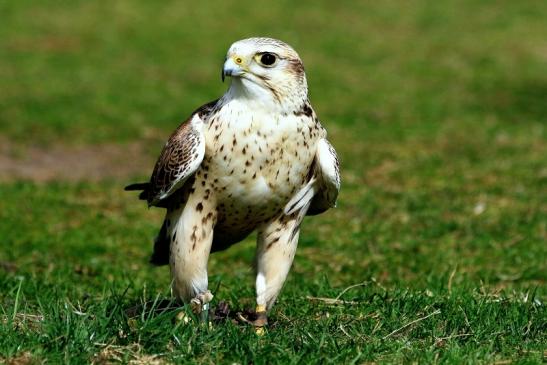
{"x":438,"y":112}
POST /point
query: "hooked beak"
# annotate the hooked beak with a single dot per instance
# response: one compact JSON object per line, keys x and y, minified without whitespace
{"x":231,"y":68}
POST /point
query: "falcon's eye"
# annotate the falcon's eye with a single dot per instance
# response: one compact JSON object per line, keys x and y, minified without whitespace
{"x":267,"y":59}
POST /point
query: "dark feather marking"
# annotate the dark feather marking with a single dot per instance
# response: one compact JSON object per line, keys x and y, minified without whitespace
{"x":294,"y":232}
{"x":176,"y":156}
{"x":272,"y":242}
{"x":305,"y":109}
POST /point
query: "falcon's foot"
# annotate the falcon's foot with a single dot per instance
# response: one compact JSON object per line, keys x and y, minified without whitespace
{"x":258,"y":319}
{"x":200,"y":305}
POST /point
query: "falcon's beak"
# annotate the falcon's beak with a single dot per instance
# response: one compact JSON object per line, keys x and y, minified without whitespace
{"x":232,"y":67}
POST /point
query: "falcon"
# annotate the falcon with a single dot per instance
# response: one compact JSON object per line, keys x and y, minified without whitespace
{"x":255,"y":159}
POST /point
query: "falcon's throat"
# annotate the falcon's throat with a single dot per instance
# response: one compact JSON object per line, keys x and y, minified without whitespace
{"x":280,"y":92}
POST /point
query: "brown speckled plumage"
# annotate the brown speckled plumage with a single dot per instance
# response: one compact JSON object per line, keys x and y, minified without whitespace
{"x":256,"y":159}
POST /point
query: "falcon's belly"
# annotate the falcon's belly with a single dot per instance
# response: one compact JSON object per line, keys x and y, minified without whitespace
{"x":253,"y":165}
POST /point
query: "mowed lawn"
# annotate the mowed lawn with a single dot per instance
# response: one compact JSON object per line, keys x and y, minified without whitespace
{"x":436,"y":252}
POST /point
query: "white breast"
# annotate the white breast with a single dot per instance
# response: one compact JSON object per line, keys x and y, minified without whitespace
{"x":257,"y":156}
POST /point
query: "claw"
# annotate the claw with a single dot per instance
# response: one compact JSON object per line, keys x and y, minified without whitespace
{"x":261,"y":320}
{"x":200,"y":305}
{"x":261,"y":316}
{"x":258,"y":319}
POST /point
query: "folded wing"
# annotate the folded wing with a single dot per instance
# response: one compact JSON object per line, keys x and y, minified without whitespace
{"x":180,"y":158}
{"x":321,"y":191}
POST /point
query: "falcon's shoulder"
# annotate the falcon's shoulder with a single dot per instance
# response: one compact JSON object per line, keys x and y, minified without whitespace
{"x":180,"y":158}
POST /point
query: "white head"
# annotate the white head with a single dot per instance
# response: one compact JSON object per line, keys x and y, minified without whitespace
{"x":266,"y":70}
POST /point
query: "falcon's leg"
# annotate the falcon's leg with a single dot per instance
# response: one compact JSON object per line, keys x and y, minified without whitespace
{"x":276,"y":246}
{"x":191,"y":236}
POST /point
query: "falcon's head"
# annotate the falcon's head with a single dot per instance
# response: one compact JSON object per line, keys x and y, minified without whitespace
{"x":266,"y":68}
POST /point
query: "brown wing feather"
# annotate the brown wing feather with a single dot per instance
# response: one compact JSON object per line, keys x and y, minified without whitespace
{"x":180,"y":157}
{"x":175,"y":163}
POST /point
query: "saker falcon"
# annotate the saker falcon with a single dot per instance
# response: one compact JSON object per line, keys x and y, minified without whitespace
{"x":257,"y":158}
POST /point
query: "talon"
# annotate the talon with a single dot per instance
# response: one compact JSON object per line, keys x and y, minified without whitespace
{"x":261,"y":316}
{"x":260,"y":331}
{"x":205,"y":297}
{"x":196,"y":305}
{"x":261,"y":319}
{"x":200,"y":305}
{"x":257,"y":319}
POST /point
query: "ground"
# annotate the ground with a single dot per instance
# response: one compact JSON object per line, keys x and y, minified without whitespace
{"x":435,"y":253}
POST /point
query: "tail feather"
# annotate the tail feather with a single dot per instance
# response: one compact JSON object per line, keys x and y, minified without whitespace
{"x":137,"y":186}
{"x":160,"y":256}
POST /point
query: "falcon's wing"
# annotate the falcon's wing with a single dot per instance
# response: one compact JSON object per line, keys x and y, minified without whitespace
{"x":180,"y":158}
{"x":327,"y":170}
{"x":321,"y":191}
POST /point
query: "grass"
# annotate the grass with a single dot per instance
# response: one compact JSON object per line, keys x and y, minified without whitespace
{"x":436,"y":252}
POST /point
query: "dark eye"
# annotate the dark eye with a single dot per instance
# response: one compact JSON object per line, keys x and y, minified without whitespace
{"x":268,"y":59}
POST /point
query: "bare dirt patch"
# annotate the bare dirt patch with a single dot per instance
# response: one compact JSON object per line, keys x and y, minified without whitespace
{"x":73,"y":163}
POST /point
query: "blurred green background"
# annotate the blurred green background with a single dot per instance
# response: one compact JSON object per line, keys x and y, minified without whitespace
{"x":437,"y":110}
